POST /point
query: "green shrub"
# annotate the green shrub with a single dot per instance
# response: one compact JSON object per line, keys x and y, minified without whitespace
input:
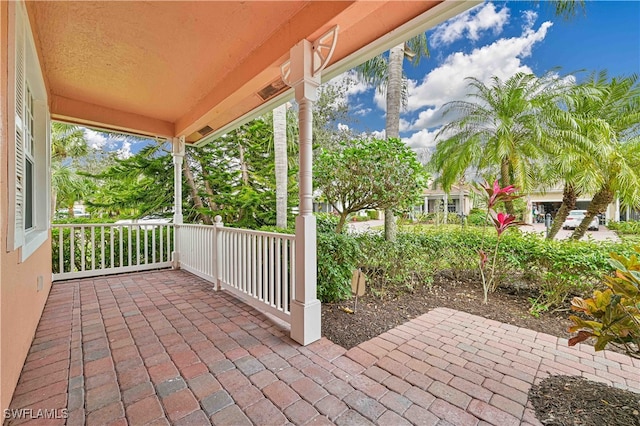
{"x":372,"y":214}
{"x":613,"y":314}
{"x":337,"y":256}
{"x":631,"y":228}
{"x":271,"y":228}
{"x":326,"y":222}
{"x":477,"y":217}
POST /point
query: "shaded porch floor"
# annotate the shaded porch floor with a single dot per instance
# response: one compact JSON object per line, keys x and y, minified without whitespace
{"x":162,"y":348}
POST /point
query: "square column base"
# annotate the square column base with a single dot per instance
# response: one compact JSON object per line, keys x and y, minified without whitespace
{"x":306,"y":326}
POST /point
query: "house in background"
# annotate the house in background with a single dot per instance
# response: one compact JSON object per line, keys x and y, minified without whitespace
{"x":550,"y":200}
{"x":458,"y":200}
{"x":185,"y":71}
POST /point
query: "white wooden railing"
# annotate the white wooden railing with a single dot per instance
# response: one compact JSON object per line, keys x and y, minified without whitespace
{"x":86,"y":250}
{"x":258,"y":267}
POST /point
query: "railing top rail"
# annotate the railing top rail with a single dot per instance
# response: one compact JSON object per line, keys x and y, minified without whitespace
{"x":96,"y":225}
{"x":263,"y":233}
{"x":240,"y":231}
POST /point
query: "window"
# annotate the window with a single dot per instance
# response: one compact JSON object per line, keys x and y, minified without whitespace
{"x":30,"y":191}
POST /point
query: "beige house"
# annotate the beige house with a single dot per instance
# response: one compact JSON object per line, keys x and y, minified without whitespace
{"x":457,"y":201}
{"x":549,"y":201}
{"x":188,"y":72}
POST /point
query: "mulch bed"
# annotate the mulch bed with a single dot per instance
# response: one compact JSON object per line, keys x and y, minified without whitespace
{"x":558,"y":400}
{"x":573,"y":401}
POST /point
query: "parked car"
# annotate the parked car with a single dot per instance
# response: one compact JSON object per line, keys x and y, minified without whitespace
{"x":64,"y":213}
{"x":575,"y":218}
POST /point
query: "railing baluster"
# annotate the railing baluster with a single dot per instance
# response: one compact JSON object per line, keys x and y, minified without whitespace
{"x":161,"y":232}
{"x":278,"y":267}
{"x":102,"y":247}
{"x":93,"y":248}
{"x":285,"y":275}
{"x":146,"y":245}
{"x":153,"y":245}
{"x":72,"y":250}
{"x":137,"y":228}
{"x":129,"y":251}
{"x":120,"y":247}
{"x":272,"y":271}
{"x":83,"y":246}
{"x":61,"y":249}
{"x":111,"y":229}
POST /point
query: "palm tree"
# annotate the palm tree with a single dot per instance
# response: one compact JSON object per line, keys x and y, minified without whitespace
{"x":67,"y":141}
{"x":611,"y":119}
{"x":571,"y":160}
{"x":386,"y":73}
{"x":503,"y":130}
{"x":280,"y":154}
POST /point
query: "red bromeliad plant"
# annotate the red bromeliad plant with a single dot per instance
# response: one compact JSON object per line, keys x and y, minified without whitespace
{"x":501,"y":222}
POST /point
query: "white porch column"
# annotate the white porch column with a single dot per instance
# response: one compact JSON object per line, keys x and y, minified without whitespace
{"x":305,"y":308}
{"x":178,"y":158}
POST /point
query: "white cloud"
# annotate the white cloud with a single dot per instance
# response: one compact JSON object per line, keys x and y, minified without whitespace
{"x":472,"y":24}
{"x":421,"y":139}
{"x":95,"y":139}
{"x":446,"y":83}
{"x":529,"y":17}
{"x":362,"y":111}
{"x":125,"y":151}
{"x":343,"y":127}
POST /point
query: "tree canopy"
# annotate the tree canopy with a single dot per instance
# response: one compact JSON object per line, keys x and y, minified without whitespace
{"x":369,"y":174}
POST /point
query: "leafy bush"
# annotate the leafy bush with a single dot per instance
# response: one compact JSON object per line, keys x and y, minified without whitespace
{"x":337,"y":256}
{"x":615,"y":312}
{"x":270,"y":228}
{"x":372,"y":214}
{"x":477,"y":217}
{"x":326,"y":222}
{"x":550,"y":271}
{"x":632,"y":228}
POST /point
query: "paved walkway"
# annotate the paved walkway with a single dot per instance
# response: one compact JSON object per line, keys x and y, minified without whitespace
{"x":161,"y":348}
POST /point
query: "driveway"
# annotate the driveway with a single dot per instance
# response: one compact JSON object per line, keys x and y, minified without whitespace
{"x":603,"y":234}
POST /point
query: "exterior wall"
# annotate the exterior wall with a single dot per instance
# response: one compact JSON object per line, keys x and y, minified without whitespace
{"x":21,"y":303}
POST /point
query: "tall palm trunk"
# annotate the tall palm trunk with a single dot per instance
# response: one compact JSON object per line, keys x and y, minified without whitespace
{"x":392,"y":125}
{"x":197,"y":201}
{"x":598,"y":205}
{"x":280,"y":153}
{"x":505,"y":180}
{"x":569,"y":197}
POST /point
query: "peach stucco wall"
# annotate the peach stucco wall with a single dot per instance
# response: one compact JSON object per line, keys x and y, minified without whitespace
{"x":20,"y":303}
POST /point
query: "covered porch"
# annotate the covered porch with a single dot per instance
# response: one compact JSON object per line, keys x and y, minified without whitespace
{"x":160,"y":347}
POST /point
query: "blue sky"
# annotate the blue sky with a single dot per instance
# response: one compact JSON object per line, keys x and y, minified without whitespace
{"x":497,"y":38}
{"x":494,"y":38}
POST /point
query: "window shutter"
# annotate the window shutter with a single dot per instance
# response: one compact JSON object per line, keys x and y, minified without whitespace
{"x":20,"y":90}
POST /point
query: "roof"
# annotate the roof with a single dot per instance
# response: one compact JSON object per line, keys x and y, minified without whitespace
{"x":196,"y":68}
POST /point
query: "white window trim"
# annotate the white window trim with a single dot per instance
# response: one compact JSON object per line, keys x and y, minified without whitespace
{"x":32,"y":239}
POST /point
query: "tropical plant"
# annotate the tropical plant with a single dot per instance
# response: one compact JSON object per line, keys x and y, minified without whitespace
{"x":501,"y":222}
{"x":67,"y":186}
{"x":368,"y":174}
{"x":611,"y":120}
{"x":615,"y":312}
{"x":385,"y":72}
{"x":502,"y":130}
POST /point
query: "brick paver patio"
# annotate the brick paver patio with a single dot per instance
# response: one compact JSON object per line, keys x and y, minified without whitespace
{"x":162,"y":348}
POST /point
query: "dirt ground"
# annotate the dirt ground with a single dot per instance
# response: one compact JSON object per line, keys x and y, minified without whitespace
{"x":559,"y":400}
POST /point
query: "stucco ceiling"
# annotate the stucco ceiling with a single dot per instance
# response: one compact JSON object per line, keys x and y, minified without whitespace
{"x":170,"y":68}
